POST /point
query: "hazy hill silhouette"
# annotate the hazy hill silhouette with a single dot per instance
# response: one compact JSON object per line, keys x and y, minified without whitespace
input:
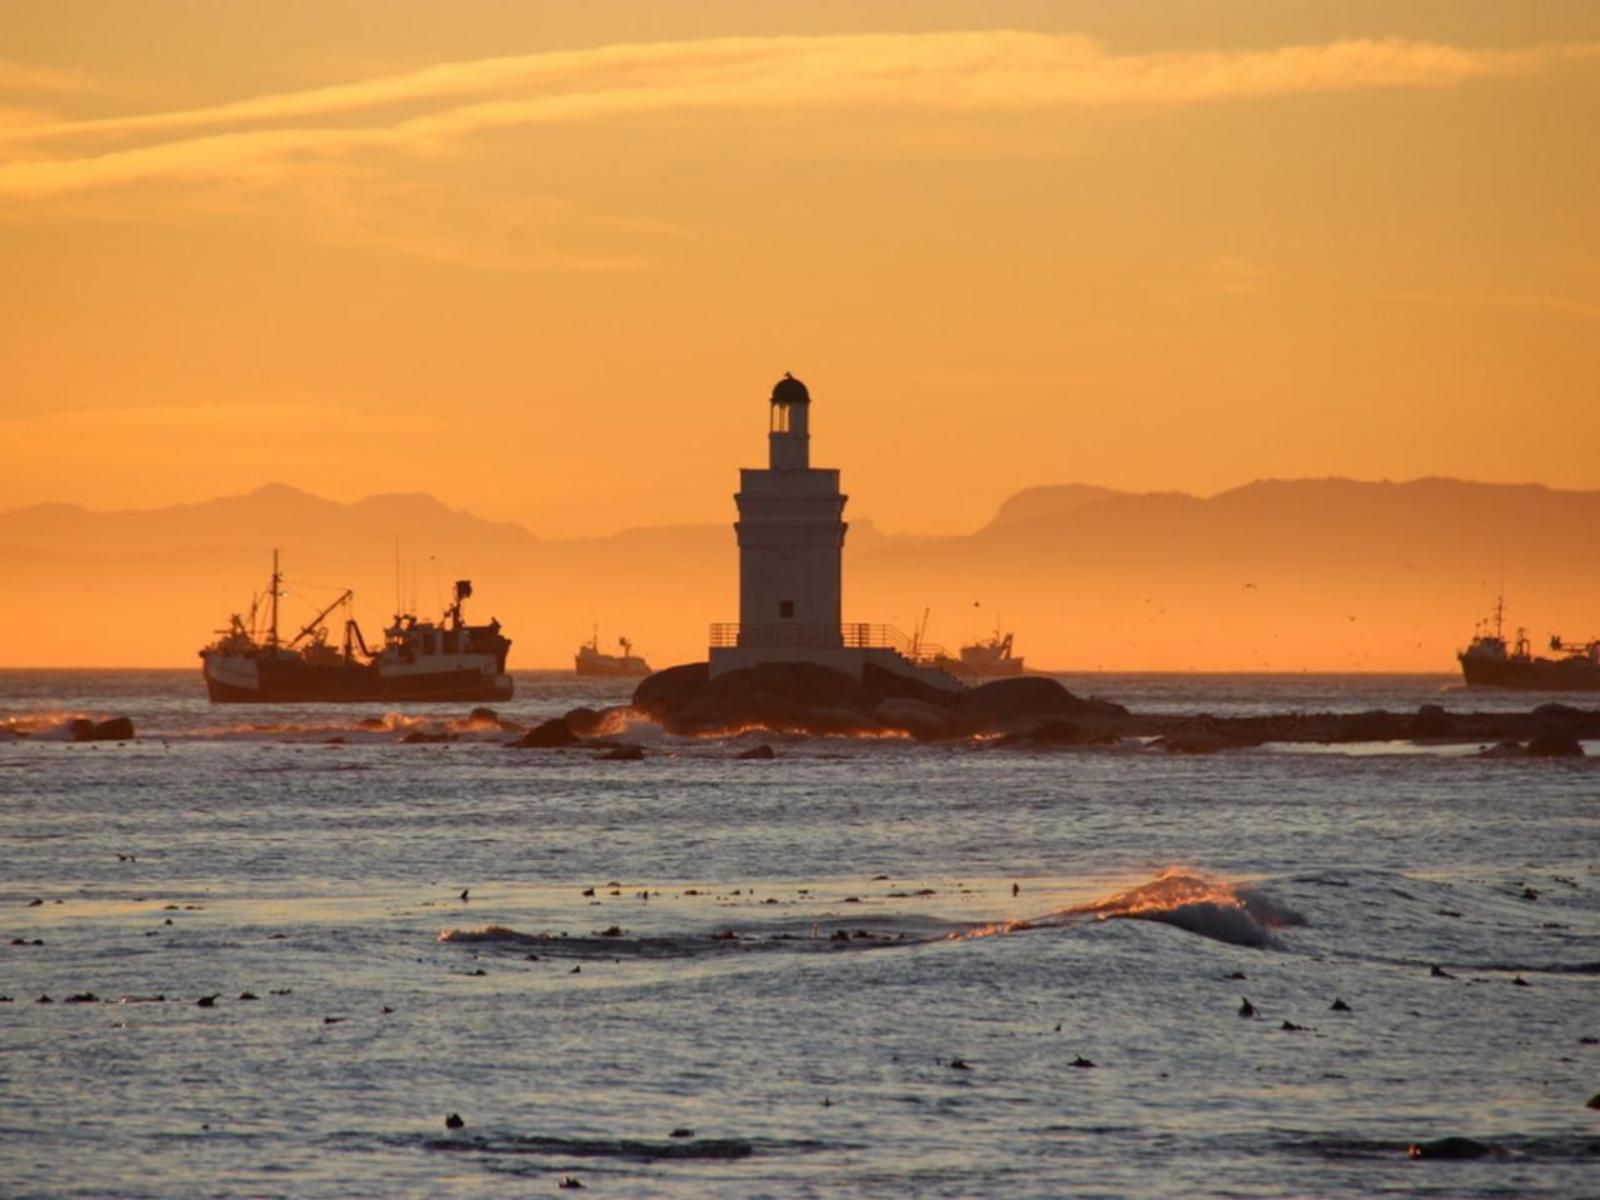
{"x":1278,"y":574}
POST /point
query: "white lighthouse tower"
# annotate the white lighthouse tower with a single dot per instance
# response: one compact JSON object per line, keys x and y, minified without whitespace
{"x":791,"y":547}
{"x":791,"y":535}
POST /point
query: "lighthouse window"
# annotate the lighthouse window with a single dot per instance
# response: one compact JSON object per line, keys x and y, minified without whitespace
{"x":786,"y":609}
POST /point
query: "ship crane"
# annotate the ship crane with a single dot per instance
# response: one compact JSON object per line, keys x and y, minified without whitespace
{"x":312,"y":626}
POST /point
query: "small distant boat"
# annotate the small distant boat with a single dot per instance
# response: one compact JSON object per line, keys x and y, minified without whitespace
{"x":591,"y":660}
{"x":990,"y":658}
{"x":419,"y":660}
{"x":1489,"y":662}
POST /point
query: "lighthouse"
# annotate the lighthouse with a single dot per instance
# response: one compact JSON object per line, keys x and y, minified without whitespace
{"x":791,"y":535}
{"x":791,"y":548}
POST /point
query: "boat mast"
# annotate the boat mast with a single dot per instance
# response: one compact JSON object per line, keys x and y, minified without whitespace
{"x":277,"y":582}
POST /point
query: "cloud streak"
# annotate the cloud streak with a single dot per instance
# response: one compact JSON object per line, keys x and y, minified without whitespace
{"x":427,"y":110}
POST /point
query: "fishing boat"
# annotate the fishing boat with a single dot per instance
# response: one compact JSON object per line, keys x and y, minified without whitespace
{"x":1489,"y":661}
{"x":446,"y":659}
{"x":987,"y":658}
{"x":591,"y":660}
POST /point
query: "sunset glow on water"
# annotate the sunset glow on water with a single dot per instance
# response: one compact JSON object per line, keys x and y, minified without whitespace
{"x":969,"y":598}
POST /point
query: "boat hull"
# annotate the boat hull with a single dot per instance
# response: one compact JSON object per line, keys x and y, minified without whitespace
{"x":1532,"y":674}
{"x":253,"y":681}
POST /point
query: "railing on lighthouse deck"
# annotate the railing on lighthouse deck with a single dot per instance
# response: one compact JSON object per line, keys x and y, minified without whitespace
{"x":852,"y":635}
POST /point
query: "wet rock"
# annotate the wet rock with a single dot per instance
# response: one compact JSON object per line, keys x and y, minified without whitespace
{"x":1005,"y":705}
{"x":549,"y":735}
{"x":117,"y":729}
{"x":1373,"y":726}
{"x":585,"y":722}
{"x":1432,"y":721}
{"x":1508,"y":748}
{"x":922,"y":720}
{"x":1450,"y":1148}
{"x":1559,"y":712}
{"x":762,"y":751}
{"x":672,"y":690}
{"x":1554,"y":745}
{"x":1202,"y":742}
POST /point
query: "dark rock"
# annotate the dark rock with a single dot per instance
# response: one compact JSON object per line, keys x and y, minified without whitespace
{"x":1450,"y":1147}
{"x":1432,"y":721}
{"x":1202,"y":742}
{"x":681,"y":1133}
{"x":755,"y":752}
{"x":585,"y":722}
{"x":117,"y":729}
{"x":1554,"y":745}
{"x":1081,"y":1061}
{"x":487,"y":716}
{"x":1246,"y":1009}
{"x":418,"y":737}
{"x":83,"y":998}
{"x":1007,"y":705}
{"x":1374,"y":726}
{"x":208,"y":1001}
{"x":548,"y":735}
{"x":454,"y":1121}
{"x":1560,"y":712}
{"x":922,"y":720}
{"x":1338,"y":1005}
{"x":957,"y":1064}
{"x":787,"y":696}
{"x":1593,"y":1101}
{"x":666,"y":692}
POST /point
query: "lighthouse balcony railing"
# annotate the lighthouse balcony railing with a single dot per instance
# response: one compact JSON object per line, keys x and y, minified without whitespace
{"x":852,"y":635}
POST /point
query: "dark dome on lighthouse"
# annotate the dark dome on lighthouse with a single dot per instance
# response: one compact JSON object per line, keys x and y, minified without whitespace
{"x":790,"y":390}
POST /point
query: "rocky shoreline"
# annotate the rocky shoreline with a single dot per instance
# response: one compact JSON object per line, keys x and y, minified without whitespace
{"x":1038,"y":711}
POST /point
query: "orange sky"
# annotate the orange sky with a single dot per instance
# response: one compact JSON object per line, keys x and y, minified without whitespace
{"x":545,"y":260}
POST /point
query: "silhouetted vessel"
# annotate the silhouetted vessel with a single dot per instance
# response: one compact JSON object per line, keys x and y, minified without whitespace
{"x":591,"y":660}
{"x":1488,"y":662}
{"x":419,"y":660}
{"x":990,"y":658}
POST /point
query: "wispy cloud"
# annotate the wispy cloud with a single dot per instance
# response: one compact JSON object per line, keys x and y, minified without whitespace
{"x":425,"y":110}
{"x":22,"y":77}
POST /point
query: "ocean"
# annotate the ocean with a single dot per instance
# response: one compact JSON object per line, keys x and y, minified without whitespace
{"x":282,"y":945}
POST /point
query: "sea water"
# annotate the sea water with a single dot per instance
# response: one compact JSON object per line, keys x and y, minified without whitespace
{"x":862,"y":967}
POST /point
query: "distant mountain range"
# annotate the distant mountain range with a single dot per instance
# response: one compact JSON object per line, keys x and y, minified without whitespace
{"x":1328,"y":574}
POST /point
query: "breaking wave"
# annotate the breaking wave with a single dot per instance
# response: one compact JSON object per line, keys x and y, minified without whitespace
{"x":1212,"y":908}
